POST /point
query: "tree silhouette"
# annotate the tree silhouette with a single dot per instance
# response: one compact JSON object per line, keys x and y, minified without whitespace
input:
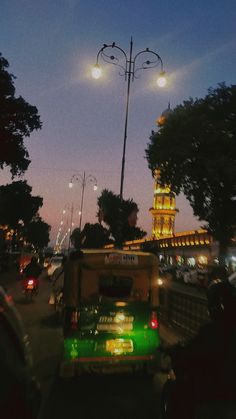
{"x":37,"y":233}
{"x":196,"y":152}
{"x":93,"y":236}
{"x":17,"y":120}
{"x":120,"y":216}
{"x":18,"y":207}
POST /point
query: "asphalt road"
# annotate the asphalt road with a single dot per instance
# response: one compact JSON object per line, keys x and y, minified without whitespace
{"x":87,"y":396}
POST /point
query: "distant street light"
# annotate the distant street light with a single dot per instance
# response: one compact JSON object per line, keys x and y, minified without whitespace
{"x":83,"y":179}
{"x":129,"y":67}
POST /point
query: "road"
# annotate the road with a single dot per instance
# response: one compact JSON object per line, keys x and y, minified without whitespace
{"x":87,"y":396}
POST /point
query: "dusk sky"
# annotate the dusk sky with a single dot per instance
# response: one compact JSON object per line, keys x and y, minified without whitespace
{"x":51,"y":46}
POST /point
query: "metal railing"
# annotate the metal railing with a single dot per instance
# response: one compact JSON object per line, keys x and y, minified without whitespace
{"x":182,"y":310}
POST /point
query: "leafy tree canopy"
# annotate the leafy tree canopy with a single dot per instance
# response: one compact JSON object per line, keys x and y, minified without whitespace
{"x":18,"y":206}
{"x":17,"y":120}
{"x":76,"y":238}
{"x":196,"y":152}
{"x":37,"y":233}
{"x":120,"y":216}
{"x":93,"y":236}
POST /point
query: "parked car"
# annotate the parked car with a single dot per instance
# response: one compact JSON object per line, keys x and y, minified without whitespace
{"x":187,"y":274}
{"x":163,"y":269}
{"x":180,"y":271}
{"x":55,"y":262}
{"x":202,"y":274}
{"x":190,"y":276}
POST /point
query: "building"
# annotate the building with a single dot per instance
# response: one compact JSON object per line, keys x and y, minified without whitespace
{"x":189,"y":247}
{"x":163,"y":210}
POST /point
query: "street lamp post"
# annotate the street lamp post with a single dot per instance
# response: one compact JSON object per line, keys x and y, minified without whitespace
{"x":70,"y":228}
{"x":129,"y":71}
{"x":82,"y":179}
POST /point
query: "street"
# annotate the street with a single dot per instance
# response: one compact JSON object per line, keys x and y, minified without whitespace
{"x":86,"y":396}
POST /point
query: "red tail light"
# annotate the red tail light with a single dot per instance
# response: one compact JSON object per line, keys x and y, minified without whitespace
{"x":31,"y":282}
{"x":74,"y":319}
{"x":154,"y":324}
{"x":9,"y":299}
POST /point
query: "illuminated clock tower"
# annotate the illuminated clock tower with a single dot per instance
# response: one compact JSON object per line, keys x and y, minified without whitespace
{"x":163,"y":210}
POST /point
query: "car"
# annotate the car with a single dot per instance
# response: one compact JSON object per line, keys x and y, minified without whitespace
{"x":190,"y":276}
{"x":202,"y":274}
{"x":54,"y":263}
{"x":187,"y":274}
{"x":167,"y":269}
{"x":180,"y":271}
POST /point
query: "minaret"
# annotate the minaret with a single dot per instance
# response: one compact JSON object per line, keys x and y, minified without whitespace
{"x":163,"y":210}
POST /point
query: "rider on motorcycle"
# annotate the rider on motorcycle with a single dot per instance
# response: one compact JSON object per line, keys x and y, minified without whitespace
{"x":204,"y":366}
{"x":32,"y":270}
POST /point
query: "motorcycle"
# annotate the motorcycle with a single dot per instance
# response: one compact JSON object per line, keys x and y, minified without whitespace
{"x":30,"y":288}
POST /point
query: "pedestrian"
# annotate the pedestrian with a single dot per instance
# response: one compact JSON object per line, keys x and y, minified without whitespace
{"x":58,"y":281}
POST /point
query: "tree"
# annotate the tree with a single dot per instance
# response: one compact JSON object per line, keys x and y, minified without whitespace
{"x":196,"y":152}
{"x":37,"y":233}
{"x":18,"y":207}
{"x":76,"y":238}
{"x":120,"y":216}
{"x":17,"y":120}
{"x":93,"y":236}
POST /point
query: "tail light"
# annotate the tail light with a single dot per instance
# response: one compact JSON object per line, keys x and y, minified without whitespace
{"x":9,"y":299}
{"x":154,"y":324}
{"x":31,"y":282}
{"x":74,"y":320}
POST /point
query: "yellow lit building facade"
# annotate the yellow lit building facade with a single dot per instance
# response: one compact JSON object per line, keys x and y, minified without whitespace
{"x":163,"y":210}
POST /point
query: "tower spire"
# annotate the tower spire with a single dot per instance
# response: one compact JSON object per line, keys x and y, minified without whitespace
{"x":164,"y":209}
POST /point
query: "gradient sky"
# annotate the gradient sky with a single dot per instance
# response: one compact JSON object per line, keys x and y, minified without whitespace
{"x":51,"y":44}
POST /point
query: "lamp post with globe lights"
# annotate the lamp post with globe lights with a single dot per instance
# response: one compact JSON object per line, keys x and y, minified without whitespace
{"x":83,"y":179}
{"x":129,"y":67}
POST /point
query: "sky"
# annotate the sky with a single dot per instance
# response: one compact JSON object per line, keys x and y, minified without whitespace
{"x":51,"y":46}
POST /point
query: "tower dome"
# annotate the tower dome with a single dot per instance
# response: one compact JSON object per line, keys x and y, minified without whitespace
{"x":163,"y":117}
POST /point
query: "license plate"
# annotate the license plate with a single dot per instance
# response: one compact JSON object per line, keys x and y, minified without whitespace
{"x":30,"y":287}
{"x":119,"y":346}
{"x":115,"y":327}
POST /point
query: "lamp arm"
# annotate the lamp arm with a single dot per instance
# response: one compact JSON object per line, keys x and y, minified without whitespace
{"x":91,"y":178}
{"x":112,"y":59}
{"x":149,"y":63}
{"x":78,"y":178}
